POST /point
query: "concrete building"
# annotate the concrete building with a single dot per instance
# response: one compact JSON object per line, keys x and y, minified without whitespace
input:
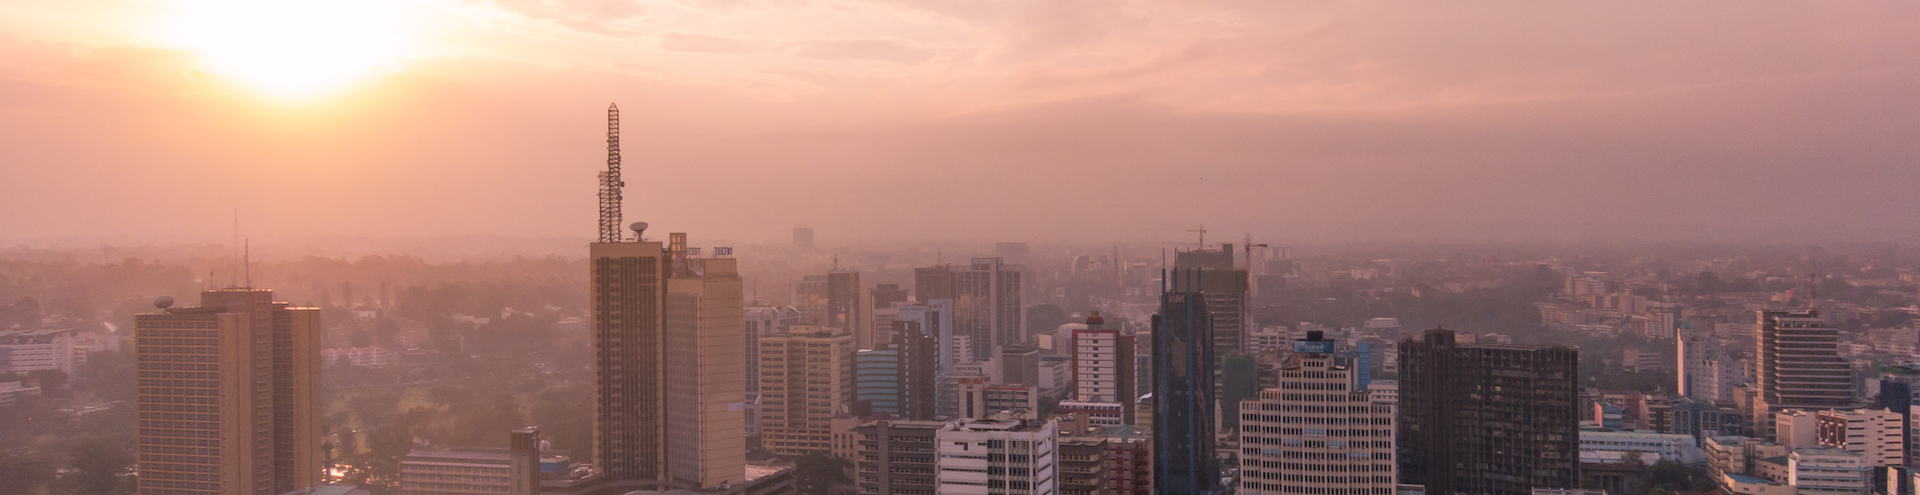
{"x":24,"y":351}
{"x":1103,"y":366}
{"x":1829,"y":472}
{"x":848,"y":309}
{"x":1492,"y":419}
{"x":1083,"y":466}
{"x":706,"y":372}
{"x":897,"y":457}
{"x":987,"y":301}
{"x":762,"y":321}
{"x":1318,"y":431}
{"x":1799,"y":364}
{"x":517,"y":470}
{"x":1020,"y":365}
{"x":1224,"y":286}
{"x":1620,"y":447}
{"x":806,"y":378}
{"x":228,"y":395}
{"x":998,"y":456}
{"x":1876,"y":434}
{"x":1183,"y":418}
{"x":626,"y":320}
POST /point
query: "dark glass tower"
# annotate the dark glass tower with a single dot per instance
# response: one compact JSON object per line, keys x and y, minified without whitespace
{"x":1183,"y":402}
{"x":1488,"y":419}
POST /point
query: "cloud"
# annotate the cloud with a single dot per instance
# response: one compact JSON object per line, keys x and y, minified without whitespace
{"x":591,"y":16}
{"x":700,"y":43}
{"x":869,"y":50}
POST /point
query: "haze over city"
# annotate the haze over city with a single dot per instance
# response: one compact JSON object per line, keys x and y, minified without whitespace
{"x":967,"y":247}
{"x":152,"y":121}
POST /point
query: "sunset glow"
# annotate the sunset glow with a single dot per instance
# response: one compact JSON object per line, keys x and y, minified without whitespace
{"x":296,"y":48}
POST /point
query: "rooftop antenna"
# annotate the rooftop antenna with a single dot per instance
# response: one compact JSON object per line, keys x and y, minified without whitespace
{"x":234,"y":257}
{"x":246,"y":261}
{"x":610,"y":183}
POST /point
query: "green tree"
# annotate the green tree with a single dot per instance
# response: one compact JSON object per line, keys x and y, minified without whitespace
{"x":97,"y":466}
{"x":23,"y":475}
{"x":817,"y":473}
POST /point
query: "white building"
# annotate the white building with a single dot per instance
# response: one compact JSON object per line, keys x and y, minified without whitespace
{"x":22,"y":351}
{"x":1317,"y":433}
{"x":1796,"y":429}
{"x":1829,"y":472}
{"x":1613,"y":447}
{"x":1873,"y":433}
{"x":998,"y":457}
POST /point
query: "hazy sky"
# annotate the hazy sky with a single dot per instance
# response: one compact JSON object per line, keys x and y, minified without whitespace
{"x":151,"y":121}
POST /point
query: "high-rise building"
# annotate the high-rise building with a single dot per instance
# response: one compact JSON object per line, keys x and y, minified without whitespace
{"x":1103,"y":366}
{"x":228,"y":395}
{"x":810,"y":297}
{"x":1020,"y":365}
{"x":1799,"y":365}
{"x":898,"y":377}
{"x":997,"y":456}
{"x":1494,"y":419}
{"x":706,"y":372}
{"x":806,"y":378}
{"x":886,"y":295}
{"x":986,"y":300}
{"x":1183,"y":388}
{"x":763,"y":321}
{"x":628,"y":295}
{"x":847,"y":310}
{"x":1225,"y":288}
{"x":897,"y":457}
{"x":1319,"y":431}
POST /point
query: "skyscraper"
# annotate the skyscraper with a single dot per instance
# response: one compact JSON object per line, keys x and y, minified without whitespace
{"x":806,"y":377}
{"x":986,"y":300}
{"x":1103,"y":366}
{"x":627,"y":316}
{"x":1799,"y":365}
{"x":1183,"y":458}
{"x":898,"y":375}
{"x":1225,"y":288}
{"x":1319,"y":431}
{"x":1488,"y":419}
{"x":845,"y":310}
{"x":706,"y":370}
{"x":228,"y":395}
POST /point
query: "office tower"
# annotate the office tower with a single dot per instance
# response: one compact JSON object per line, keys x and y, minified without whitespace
{"x":897,"y":457}
{"x":1494,"y":419}
{"x":806,"y":378}
{"x":523,"y":461}
{"x":1183,"y":414}
{"x":1346,"y":445}
{"x":1020,"y":365}
{"x":1084,"y":467}
{"x":898,"y":377}
{"x":1224,"y":287}
{"x":478,"y":470}
{"x":763,"y":321}
{"x":706,"y":371}
{"x":628,"y":299}
{"x":1103,"y":366}
{"x":1799,"y":365}
{"x":1875,"y":434}
{"x":935,"y":318}
{"x":996,"y":456}
{"x":846,"y":310}
{"x":810,"y":297}
{"x":886,"y":295}
{"x":23,"y":351}
{"x":986,"y":300}
{"x":803,"y":238}
{"x":229,"y":395}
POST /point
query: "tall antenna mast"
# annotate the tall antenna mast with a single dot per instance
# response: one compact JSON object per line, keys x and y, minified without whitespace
{"x":610,"y":182}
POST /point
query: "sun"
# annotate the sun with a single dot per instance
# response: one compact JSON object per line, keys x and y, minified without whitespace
{"x":291,"y":48}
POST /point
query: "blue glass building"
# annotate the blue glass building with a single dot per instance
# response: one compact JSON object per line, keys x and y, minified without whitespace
{"x":1183,"y":402}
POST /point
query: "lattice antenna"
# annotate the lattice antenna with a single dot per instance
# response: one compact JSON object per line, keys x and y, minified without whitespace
{"x":610,"y":183}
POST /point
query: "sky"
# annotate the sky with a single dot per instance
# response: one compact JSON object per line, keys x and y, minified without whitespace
{"x":150,"y":121}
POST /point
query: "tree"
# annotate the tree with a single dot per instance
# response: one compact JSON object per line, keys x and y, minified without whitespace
{"x":23,"y":475}
{"x":817,"y":473}
{"x":97,"y":466}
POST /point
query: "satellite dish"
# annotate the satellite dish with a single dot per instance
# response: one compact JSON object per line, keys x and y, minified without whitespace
{"x":163,"y":302}
{"x":638,"y":227}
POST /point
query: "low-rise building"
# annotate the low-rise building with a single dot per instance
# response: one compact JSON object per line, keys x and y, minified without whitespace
{"x":998,"y":456}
